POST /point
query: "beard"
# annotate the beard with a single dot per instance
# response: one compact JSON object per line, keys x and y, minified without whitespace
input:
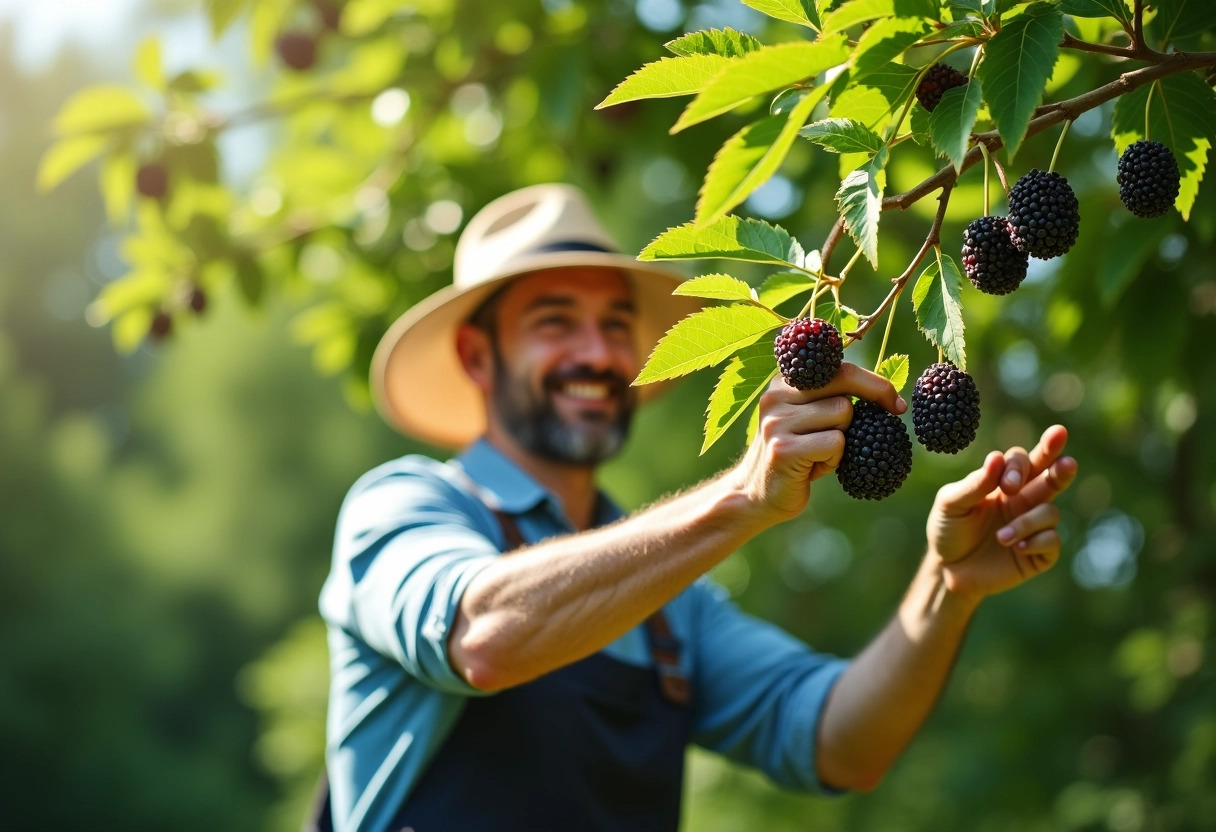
{"x":533,"y":421}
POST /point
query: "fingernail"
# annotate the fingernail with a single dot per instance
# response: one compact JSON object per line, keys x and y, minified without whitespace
{"x":900,"y":404}
{"x":1013,"y":479}
{"x":1005,"y":535}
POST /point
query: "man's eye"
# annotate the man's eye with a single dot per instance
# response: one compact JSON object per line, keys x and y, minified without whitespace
{"x":619,"y":326}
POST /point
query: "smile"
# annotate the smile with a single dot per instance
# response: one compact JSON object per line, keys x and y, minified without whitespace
{"x":586,"y":391}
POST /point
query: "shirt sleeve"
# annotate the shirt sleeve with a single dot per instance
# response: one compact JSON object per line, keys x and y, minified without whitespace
{"x":407,"y":546}
{"x":758,"y":692}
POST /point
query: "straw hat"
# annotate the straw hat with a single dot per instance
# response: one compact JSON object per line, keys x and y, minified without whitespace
{"x":418,"y":383}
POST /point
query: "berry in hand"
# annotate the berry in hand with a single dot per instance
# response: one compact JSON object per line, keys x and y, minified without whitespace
{"x":152,"y":180}
{"x":1148,"y":179}
{"x":809,"y":353}
{"x":935,"y":82}
{"x":877,"y":453}
{"x":1044,"y":213}
{"x":945,"y":408}
{"x":297,"y":50}
{"x":991,"y":260}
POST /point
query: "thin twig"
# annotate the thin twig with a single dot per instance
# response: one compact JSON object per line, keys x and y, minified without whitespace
{"x":829,"y":244}
{"x":1138,"y":25}
{"x":1070,"y":42}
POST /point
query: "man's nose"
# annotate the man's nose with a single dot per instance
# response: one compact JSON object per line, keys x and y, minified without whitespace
{"x":594,"y":348}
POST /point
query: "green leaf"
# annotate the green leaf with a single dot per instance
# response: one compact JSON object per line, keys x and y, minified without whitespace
{"x":716,"y":287}
{"x":874,"y":101}
{"x":725,"y":42}
{"x":753,"y":424}
{"x":730,"y":238}
{"x":1017,"y":64}
{"x":222,"y":13}
{"x":894,"y":369}
{"x":843,"y":135}
{"x":860,"y":11}
{"x":844,"y":318}
{"x":783,"y":286}
{"x":860,"y":201}
{"x":750,"y":157}
{"x":101,"y":108}
{"x":67,"y":156}
{"x":250,"y":279}
{"x":767,"y":69}
{"x":1183,"y":118}
{"x":1181,"y":18}
{"x":705,"y":338}
{"x":952,"y":120}
{"x":885,"y":41}
{"x":792,"y":11}
{"x":1128,"y":247}
{"x":939,"y":308}
{"x":148,"y":64}
{"x":1097,"y":8}
{"x":743,"y":379}
{"x":918,"y":124}
{"x":117,"y":180}
{"x":666,"y":78}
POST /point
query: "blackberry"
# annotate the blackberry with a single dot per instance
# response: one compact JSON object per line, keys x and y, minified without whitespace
{"x":197,"y":300}
{"x":877,"y":453}
{"x":934,"y":83}
{"x":945,"y":408}
{"x":297,"y":50}
{"x":152,"y":180}
{"x":808,"y":352}
{"x":992,"y":262}
{"x":1044,"y":214}
{"x":162,"y":325}
{"x":1148,"y":179}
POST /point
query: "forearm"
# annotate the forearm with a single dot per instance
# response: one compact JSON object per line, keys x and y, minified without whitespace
{"x":885,"y":696}
{"x":549,"y":605}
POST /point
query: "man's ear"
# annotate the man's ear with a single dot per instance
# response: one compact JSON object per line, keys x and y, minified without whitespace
{"x":476,"y":354}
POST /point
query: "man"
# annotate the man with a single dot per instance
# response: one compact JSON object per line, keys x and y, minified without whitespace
{"x":557,"y":688}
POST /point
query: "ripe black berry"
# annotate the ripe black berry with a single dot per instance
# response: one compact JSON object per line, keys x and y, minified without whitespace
{"x":809,"y":353}
{"x":934,"y":84}
{"x":162,"y":325}
{"x":297,"y":50}
{"x":197,"y":300}
{"x":991,"y":260}
{"x":152,"y":180}
{"x":1044,"y":214}
{"x":877,"y":453}
{"x":945,"y":408}
{"x":1148,"y":178}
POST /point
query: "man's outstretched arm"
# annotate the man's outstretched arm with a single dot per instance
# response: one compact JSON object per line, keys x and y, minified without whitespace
{"x":549,"y":605}
{"x":987,"y":533}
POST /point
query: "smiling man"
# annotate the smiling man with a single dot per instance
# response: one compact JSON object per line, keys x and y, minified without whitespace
{"x":557,"y":687}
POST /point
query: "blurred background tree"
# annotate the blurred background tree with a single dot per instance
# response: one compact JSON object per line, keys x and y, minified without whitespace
{"x":300,"y":170}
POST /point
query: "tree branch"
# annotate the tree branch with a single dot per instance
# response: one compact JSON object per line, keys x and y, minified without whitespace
{"x":1138,"y":25}
{"x":830,"y":243}
{"x":1070,"y":42}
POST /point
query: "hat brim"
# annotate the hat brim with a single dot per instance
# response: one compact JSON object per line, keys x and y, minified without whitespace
{"x":418,"y":383}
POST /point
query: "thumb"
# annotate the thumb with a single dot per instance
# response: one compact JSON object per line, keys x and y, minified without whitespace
{"x":960,"y":497}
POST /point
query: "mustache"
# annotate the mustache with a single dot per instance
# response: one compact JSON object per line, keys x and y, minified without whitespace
{"x":617,"y":384}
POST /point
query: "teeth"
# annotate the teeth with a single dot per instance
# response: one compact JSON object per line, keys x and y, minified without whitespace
{"x":584,"y":390}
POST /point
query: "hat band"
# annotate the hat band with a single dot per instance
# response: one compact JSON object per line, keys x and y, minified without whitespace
{"x":570,"y":245}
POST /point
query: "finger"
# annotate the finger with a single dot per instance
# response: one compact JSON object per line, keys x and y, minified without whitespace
{"x":820,"y":451}
{"x":1017,"y":464}
{"x":960,"y":497}
{"x":1042,"y":549}
{"x":1040,"y":518}
{"x":826,"y":414}
{"x":1050,"y":484}
{"x":1051,"y":445}
{"x":851,"y":380}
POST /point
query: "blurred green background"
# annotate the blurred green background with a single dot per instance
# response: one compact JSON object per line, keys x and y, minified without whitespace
{"x":167,"y":507}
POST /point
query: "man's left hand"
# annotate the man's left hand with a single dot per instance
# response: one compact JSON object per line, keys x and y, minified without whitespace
{"x":996,"y":528}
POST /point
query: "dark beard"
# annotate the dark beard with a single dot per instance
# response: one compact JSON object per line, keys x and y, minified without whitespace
{"x":535,"y":424}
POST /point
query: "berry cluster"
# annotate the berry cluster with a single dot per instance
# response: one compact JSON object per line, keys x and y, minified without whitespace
{"x":877,"y":453}
{"x":934,"y":83}
{"x":1044,"y":214}
{"x":162,"y":320}
{"x":945,"y":408}
{"x":298,"y":49}
{"x":809,"y":353}
{"x":992,"y":261}
{"x":1148,"y":179}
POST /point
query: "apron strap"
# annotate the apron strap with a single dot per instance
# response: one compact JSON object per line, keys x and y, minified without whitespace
{"x":664,"y":646}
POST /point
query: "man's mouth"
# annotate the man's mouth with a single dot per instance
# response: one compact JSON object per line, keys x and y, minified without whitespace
{"x":589,"y":391}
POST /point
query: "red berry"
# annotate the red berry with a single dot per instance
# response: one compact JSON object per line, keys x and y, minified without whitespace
{"x":162,"y":325}
{"x":152,"y":180}
{"x":297,"y":50}
{"x":809,"y":353}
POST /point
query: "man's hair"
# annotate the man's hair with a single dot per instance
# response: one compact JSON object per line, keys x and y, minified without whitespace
{"x":485,"y":316}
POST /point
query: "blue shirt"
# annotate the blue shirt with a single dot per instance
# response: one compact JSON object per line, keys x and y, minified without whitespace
{"x":412,"y":534}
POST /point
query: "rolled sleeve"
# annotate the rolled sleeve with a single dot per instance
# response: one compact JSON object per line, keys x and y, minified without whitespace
{"x":759,"y":692}
{"x":407,"y":548}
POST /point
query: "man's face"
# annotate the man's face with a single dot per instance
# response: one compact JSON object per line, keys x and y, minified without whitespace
{"x":564,"y":357}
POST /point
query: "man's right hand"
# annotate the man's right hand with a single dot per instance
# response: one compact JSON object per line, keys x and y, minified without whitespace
{"x":801,"y":438}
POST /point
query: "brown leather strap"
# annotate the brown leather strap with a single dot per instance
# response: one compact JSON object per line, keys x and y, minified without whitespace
{"x":664,"y":646}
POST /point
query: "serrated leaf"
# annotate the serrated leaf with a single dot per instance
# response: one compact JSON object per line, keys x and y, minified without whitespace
{"x":844,"y":318}
{"x":753,"y":424}
{"x":743,"y":379}
{"x":705,"y":338}
{"x":1181,"y":18}
{"x":1097,"y":8}
{"x":1128,"y":247}
{"x":843,"y":135}
{"x":725,"y":42}
{"x":953,"y":119}
{"x":875,"y":100}
{"x":67,"y":156}
{"x":750,"y":157}
{"x":860,"y":202}
{"x":222,"y":13}
{"x":730,"y":238}
{"x":1183,"y":118}
{"x":939,"y":308}
{"x":148,"y":64}
{"x":885,"y":41}
{"x":765,"y":70}
{"x":894,"y":369}
{"x":860,"y":11}
{"x":976,"y":6}
{"x":918,"y":124}
{"x":791,"y":11}
{"x":783,"y":286}
{"x":1017,"y":64}
{"x":666,"y":78}
{"x":100,"y":109}
{"x":716,"y":287}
